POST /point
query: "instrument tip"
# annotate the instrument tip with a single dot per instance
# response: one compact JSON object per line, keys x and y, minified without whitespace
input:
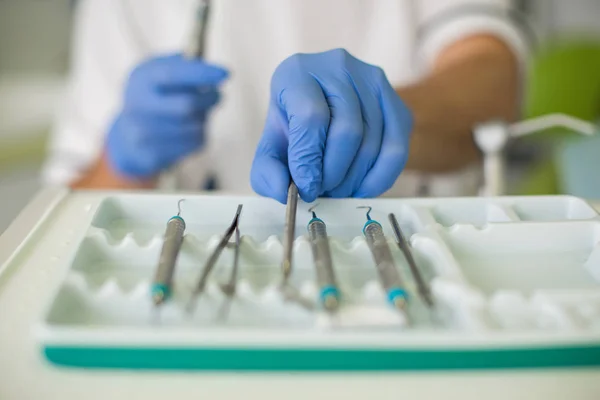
{"x":179,"y":206}
{"x":399,"y":303}
{"x":312,"y":210}
{"x":158,"y":298}
{"x":286,"y":266}
{"x":369,"y":209}
{"x":330,"y":302}
{"x":428,"y":299}
{"x":228,"y":289}
{"x":191,"y":306}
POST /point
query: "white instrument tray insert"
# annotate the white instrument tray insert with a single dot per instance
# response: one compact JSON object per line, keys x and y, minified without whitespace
{"x":516,"y":281}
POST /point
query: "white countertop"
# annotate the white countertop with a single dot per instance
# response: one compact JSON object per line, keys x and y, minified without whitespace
{"x":25,"y":374}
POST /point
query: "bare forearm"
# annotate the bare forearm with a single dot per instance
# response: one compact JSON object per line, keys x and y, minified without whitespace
{"x":473,"y":81}
{"x":103,"y":176}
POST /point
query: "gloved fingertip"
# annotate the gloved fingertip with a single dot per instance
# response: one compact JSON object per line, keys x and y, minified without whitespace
{"x":279,"y":193}
{"x":217,"y":76}
{"x":217,"y":72}
{"x":361,"y":194}
{"x":335,"y":194}
{"x":222,"y":73}
{"x":330,"y":184}
{"x":309,"y":192}
{"x":270,"y":178}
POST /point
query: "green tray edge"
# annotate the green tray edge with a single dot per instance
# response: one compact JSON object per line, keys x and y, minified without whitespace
{"x":230,"y":359}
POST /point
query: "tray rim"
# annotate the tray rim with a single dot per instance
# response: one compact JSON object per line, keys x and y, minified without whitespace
{"x":570,"y":355}
{"x":323,"y":360}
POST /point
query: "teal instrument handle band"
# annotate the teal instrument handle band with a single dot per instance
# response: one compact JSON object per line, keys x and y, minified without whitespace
{"x":178,"y":218}
{"x":329,"y":291}
{"x":395,"y":293}
{"x":160,"y":290}
{"x":314,"y":220}
{"x":369,"y":222}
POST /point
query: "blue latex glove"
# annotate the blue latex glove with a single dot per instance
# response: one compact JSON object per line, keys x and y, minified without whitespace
{"x":162,"y":121}
{"x":336,"y":125}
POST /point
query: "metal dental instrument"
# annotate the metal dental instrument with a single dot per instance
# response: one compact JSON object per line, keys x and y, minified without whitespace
{"x":230,"y":287}
{"x":386,"y":267}
{"x":405,"y":248}
{"x":329,"y":295}
{"x":197,"y":43}
{"x":163,"y":279}
{"x":195,"y":49}
{"x":289,"y":231}
{"x":212,"y":260}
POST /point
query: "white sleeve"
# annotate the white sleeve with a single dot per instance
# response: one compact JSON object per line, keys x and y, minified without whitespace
{"x":104,"y":49}
{"x":443,"y":22}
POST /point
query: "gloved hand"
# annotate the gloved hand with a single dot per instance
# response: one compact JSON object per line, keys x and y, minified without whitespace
{"x":336,"y":125}
{"x":162,"y":121}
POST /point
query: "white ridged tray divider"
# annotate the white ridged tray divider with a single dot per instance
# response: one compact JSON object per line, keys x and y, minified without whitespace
{"x":478,"y":255}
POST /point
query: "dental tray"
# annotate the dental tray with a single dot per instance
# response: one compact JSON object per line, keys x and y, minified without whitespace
{"x":516,"y":282}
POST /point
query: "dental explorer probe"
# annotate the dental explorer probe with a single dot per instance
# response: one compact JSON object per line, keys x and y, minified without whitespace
{"x":319,"y":242}
{"x":212,"y":260}
{"x":404,"y":247}
{"x":386,"y":267}
{"x":173,"y":238}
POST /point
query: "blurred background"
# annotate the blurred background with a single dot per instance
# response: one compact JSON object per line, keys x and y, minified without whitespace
{"x":34,"y":43}
{"x":563,"y":76}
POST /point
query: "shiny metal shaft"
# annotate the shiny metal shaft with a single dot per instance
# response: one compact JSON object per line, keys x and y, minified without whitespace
{"x":405,"y":248}
{"x":197,"y":42}
{"x":212,"y":260}
{"x":289,"y":231}
{"x":163,"y":279}
{"x":323,"y":263}
{"x":386,"y":267}
{"x":230,"y":287}
{"x":195,"y":49}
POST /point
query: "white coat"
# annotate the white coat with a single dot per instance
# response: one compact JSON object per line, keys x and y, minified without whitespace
{"x":250,"y":38}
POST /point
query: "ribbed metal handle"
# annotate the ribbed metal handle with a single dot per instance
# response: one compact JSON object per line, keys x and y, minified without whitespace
{"x":321,"y":253}
{"x":388,"y":273}
{"x":170,"y":250}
